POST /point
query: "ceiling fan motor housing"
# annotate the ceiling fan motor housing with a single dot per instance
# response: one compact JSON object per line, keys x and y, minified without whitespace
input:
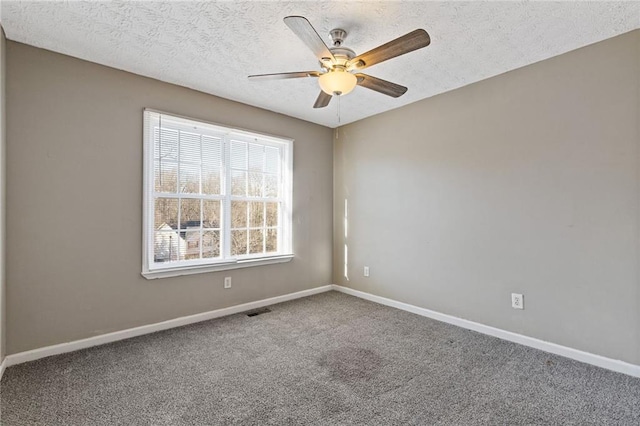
{"x":343,"y":53}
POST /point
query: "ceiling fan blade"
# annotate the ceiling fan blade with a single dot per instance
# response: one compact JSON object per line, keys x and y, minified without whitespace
{"x":284,"y":75}
{"x":380,"y":85}
{"x":407,"y":43}
{"x":322,"y":101}
{"x":305,"y":31}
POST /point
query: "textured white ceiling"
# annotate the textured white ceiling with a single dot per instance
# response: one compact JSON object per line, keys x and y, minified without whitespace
{"x":213,"y":46}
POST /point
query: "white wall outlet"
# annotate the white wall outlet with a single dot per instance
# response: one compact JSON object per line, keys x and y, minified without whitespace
{"x":366,"y":271}
{"x":227,"y":282}
{"x":517,"y":301}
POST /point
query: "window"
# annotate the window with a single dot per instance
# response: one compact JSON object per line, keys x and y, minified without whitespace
{"x":214,"y":198}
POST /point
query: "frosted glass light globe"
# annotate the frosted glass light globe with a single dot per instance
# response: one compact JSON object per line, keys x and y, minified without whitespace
{"x":337,"y":82}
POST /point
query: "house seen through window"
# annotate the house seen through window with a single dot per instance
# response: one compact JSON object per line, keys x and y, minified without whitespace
{"x":214,"y":197}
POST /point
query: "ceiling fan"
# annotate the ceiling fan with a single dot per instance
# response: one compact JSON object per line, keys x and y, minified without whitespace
{"x":340,"y":66}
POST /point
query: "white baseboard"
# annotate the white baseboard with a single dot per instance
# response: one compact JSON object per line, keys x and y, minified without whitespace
{"x":578,"y":355}
{"x":35,"y":354}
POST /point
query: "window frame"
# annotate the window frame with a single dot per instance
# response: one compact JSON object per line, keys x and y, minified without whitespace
{"x":150,"y":269}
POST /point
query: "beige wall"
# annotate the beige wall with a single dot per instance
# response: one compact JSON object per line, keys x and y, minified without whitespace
{"x":2,"y":195}
{"x":74,"y":191}
{"x":527,"y":182}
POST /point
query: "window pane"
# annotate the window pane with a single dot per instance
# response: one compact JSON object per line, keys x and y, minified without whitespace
{"x":166,"y":214}
{"x":189,"y":213}
{"x":190,"y":147}
{"x":256,"y":214}
{"x":191,"y":245}
{"x":211,"y":244}
{"x":238,"y":183}
{"x":271,"y":214}
{"x":166,"y":246}
{"x":255,"y":184}
{"x":210,"y":214}
{"x":238,"y":243}
{"x":166,"y":177}
{"x":189,"y":178}
{"x":271,"y":186}
{"x":256,"y":157}
{"x":166,"y":144}
{"x":272,"y":160}
{"x":211,"y":181}
{"x":271,"y":241}
{"x":238,"y":155}
{"x":256,"y":239}
{"x":238,"y":214}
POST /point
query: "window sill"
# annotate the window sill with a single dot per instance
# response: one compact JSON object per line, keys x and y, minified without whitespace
{"x":190,"y":270}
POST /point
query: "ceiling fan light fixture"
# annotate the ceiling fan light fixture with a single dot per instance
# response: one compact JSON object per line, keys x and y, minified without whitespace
{"x":337,"y":82}
{"x":340,"y":66}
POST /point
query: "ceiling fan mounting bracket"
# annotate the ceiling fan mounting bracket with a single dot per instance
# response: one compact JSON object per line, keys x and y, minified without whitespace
{"x":337,"y":36}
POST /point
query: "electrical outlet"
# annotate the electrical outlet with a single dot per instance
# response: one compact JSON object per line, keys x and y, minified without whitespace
{"x":227,"y":282}
{"x":366,"y":271}
{"x":517,"y":301}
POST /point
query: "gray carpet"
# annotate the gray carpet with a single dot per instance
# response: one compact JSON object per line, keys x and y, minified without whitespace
{"x":329,"y":359}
